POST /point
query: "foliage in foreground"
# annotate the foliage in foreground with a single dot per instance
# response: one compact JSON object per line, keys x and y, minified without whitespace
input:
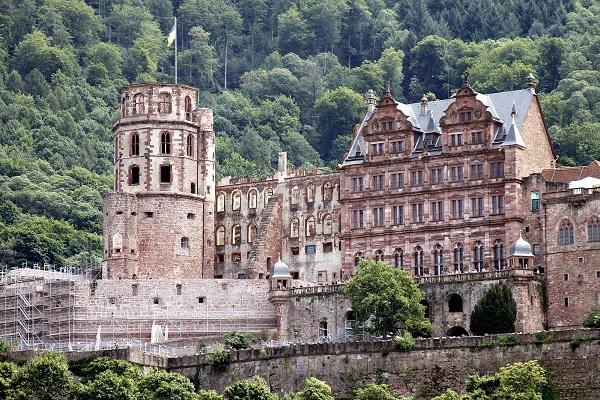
{"x":495,"y":312}
{"x":386,"y":299}
{"x":593,"y":319}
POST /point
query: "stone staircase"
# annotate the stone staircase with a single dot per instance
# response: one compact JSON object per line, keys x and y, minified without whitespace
{"x":268,"y":239}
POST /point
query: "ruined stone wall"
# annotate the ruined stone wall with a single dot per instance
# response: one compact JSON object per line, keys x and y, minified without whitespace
{"x":312,"y":254}
{"x":573,"y":270}
{"x":433,"y":366}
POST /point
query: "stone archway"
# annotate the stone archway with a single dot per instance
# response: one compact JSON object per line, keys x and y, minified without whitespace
{"x":457,"y":331}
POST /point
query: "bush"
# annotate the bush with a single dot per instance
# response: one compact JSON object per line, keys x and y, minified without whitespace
{"x":593,"y":320}
{"x":405,"y":342}
{"x":373,"y":391}
{"x":209,"y":395}
{"x":237,"y":340}
{"x":495,"y":312}
{"x":218,"y":359}
{"x":315,"y":389}
{"x":508,"y":341}
{"x":249,"y":389}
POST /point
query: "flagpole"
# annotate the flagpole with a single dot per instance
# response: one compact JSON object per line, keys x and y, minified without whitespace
{"x":175,"y":50}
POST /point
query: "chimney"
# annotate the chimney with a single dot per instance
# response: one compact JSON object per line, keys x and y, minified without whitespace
{"x":530,"y":82}
{"x":370,"y":101}
{"x":282,"y":164}
{"x":424,"y":105}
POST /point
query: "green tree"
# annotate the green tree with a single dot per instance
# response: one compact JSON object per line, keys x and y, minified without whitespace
{"x":495,"y":312}
{"x":44,"y":377}
{"x":110,"y":386}
{"x":209,"y":395}
{"x":315,"y":389}
{"x":237,"y":340}
{"x":449,"y":394}
{"x":7,"y":374}
{"x":249,"y":389}
{"x":197,"y":63}
{"x":293,"y":33}
{"x":337,"y":111}
{"x":372,"y":391}
{"x":36,"y":52}
{"x":593,"y":319}
{"x":386,"y":299}
{"x":162,"y":385}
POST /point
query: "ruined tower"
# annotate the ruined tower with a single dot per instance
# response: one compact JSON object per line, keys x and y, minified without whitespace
{"x":159,"y":220}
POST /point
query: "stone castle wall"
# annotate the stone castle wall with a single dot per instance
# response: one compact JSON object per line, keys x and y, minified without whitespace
{"x":432,"y":367}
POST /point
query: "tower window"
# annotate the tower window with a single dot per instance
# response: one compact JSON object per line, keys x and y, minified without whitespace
{"x":164,"y":103}
{"x":193,"y":188}
{"x":165,"y":143}
{"x":190,"y":146}
{"x":185,"y":243}
{"x":134,"y":175}
{"x":135,"y":145}
{"x":138,"y":104}
{"x":165,"y":174}
{"x":188,"y":108}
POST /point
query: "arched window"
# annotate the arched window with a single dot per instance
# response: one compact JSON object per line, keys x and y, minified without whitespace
{"x":499,"y":255}
{"x":593,"y":229}
{"x":135,"y":145}
{"x":134,"y":175}
{"x":310,"y":227}
{"x":459,"y":258}
{"x":188,"y":108}
{"x":251,"y":233}
{"x":327,"y":191}
{"x":236,"y":234}
{"x":438,"y":259}
{"x":124,"y":105}
{"x":185,"y":243}
{"x":294,"y":228}
{"x":327,"y":224}
{"x":379,"y":255}
{"x":455,"y":303}
{"x":138,"y":104}
{"x":220,"y":202}
{"x":268,"y":195}
{"x":252,"y":198}
{"x":220,"y":236}
{"x":236,"y":200}
{"x":295,"y":195}
{"x":164,"y":103}
{"x":310,"y":193}
{"x":358,"y":257}
{"x":565,"y":233}
{"x":478,"y":256}
{"x":399,"y":258}
{"x":165,"y":143}
{"x":189,"y":146}
{"x":419,"y":270}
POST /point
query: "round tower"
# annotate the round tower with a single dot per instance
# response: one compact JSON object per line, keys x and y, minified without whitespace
{"x":159,"y":220}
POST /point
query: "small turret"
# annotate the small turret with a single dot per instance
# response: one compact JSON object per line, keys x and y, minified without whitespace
{"x":370,"y":101}
{"x":531,"y":82}
{"x":424,"y":105}
{"x":520,"y":255}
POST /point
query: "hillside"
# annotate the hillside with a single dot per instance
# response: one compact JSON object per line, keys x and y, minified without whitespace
{"x":280,"y":74}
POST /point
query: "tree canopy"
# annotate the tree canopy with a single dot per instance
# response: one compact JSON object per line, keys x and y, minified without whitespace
{"x":495,"y":312}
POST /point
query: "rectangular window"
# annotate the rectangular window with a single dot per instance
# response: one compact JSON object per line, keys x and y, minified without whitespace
{"x":165,"y":174}
{"x":310,"y":249}
{"x":437,"y":211}
{"x":437,"y":176}
{"x":397,"y":180}
{"x":497,"y":169}
{"x":378,"y":216}
{"x":566,"y":277}
{"x":456,"y":139}
{"x":535,"y":201}
{"x":566,"y":302}
{"x":148,"y":214}
{"x":397,"y":215}
{"x":358,"y":218}
{"x":322,"y":276}
{"x":388,"y":125}
{"x":236,"y":257}
{"x":537,"y":249}
{"x":476,"y":172}
{"x":416,"y":178}
{"x":457,"y":209}
{"x":456,"y":173}
{"x":465,"y":116}
{"x":477,"y":207}
{"x":597,"y":274}
{"x":477,"y":137}
{"x":377,"y":148}
{"x":377,"y":182}
{"x":498,"y":204}
{"x":327,"y":247}
{"x":397,"y":146}
{"x":295,"y":250}
{"x":135,"y":175}
{"x":418,"y":213}
{"x":220,"y":258}
{"x":357,"y":184}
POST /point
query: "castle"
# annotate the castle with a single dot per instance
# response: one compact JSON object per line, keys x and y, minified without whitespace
{"x":462,"y":193}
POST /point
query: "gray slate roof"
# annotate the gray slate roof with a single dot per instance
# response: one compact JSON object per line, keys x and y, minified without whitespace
{"x":500,"y":105}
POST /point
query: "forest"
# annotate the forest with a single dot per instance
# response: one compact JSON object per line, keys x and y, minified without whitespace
{"x":281,"y":75}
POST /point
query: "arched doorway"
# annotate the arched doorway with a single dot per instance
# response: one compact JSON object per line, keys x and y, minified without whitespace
{"x":457,"y":331}
{"x":455,"y":303}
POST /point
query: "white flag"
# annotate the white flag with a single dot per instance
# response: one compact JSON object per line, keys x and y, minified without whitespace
{"x":172,"y":34}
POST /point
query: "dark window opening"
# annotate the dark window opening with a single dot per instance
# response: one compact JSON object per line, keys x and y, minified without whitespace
{"x":148,"y":214}
{"x":119,"y":212}
{"x":178,"y":288}
{"x":191,"y":216}
{"x":295,"y":250}
{"x":201,"y":299}
{"x":220,"y":258}
{"x":165,"y":174}
{"x":134,"y":175}
{"x":327,"y":247}
{"x":193,"y":188}
{"x":156,"y":300}
{"x":295,"y":275}
{"x":566,"y":302}
{"x":133,"y":213}
{"x":455,"y":303}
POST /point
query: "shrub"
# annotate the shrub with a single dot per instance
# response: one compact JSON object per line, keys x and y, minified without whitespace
{"x":209,"y":395}
{"x":508,"y":341}
{"x":237,"y":340}
{"x":495,"y":312}
{"x":593,"y":320}
{"x":315,"y":389}
{"x":373,"y":391}
{"x":218,"y":359}
{"x":405,"y":342}
{"x":249,"y":389}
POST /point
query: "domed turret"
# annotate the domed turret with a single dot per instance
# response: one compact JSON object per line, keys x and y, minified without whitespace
{"x":521,"y":248}
{"x":281,"y":278}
